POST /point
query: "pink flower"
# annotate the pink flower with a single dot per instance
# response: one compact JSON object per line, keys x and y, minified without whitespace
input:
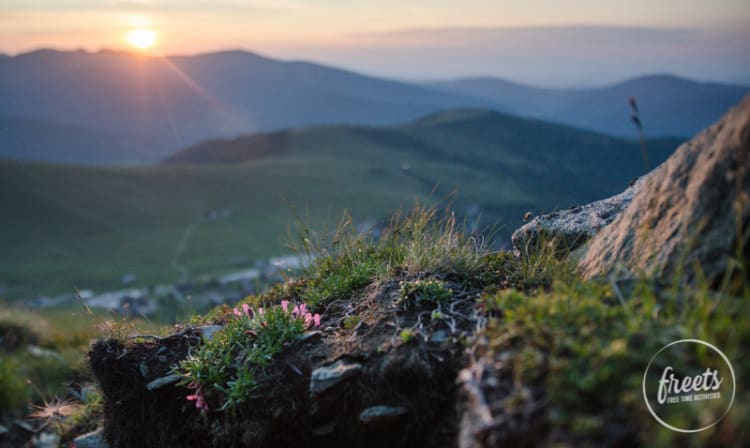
{"x":303,"y":309}
{"x":237,"y":312}
{"x":260,"y":311}
{"x":247,"y":310}
{"x":295,"y":311}
{"x":316,"y":319}
{"x":285,"y":305}
{"x":200,"y":402}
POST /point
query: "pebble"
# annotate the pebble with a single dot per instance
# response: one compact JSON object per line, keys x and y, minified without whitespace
{"x":324,"y":378}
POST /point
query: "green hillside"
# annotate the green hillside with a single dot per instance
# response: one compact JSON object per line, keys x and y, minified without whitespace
{"x":67,"y":226}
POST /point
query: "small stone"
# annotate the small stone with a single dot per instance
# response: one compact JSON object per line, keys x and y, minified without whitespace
{"x":143,"y":368}
{"x":94,"y":439}
{"x":325,"y":430}
{"x":3,"y":430}
{"x":382,"y":414}
{"x":26,"y":426}
{"x":163,"y":358}
{"x":439,"y":336}
{"x":163,"y":381}
{"x":324,"y":378}
{"x":44,"y":352}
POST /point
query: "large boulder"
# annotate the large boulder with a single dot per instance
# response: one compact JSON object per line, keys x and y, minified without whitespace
{"x":688,"y":215}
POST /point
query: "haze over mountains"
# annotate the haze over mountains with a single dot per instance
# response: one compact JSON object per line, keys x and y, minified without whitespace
{"x":122,"y":108}
{"x":669,"y":106}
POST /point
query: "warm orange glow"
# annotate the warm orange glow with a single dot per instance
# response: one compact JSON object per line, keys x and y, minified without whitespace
{"x":141,"y":38}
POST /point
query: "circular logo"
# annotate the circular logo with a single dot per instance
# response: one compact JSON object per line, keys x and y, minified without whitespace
{"x":689,"y":385}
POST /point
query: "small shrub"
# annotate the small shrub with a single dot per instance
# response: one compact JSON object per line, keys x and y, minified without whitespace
{"x":418,"y":292}
{"x":223,"y":370}
{"x":421,"y":241}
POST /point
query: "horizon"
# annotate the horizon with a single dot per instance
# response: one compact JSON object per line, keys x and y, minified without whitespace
{"x":580,"y":43}
{"x":476,"y":76}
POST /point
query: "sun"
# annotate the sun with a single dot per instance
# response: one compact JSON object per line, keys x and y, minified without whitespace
{"x":141,"y":38}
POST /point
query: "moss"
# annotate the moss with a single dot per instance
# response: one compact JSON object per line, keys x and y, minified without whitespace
{"x":588,"y":349}
{"x":14,"y":392}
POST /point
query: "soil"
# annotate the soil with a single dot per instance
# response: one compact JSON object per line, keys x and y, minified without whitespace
{"x":416,"y":373}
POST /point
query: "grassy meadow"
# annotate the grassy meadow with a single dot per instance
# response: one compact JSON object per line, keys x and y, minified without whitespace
{"x":68,"y":226}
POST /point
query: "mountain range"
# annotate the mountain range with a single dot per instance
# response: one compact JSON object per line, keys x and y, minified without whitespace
{"x":669,"y":105}
{"x":116,"y":108}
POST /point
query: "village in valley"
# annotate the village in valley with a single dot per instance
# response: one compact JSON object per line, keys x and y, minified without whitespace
{"x":170,"y":301}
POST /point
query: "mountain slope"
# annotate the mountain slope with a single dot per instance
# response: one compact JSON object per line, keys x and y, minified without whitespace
{"x":181,"y":100}
{"x":69,"y":226}
{"x":489,"y":142}
{"x":669,"y":105}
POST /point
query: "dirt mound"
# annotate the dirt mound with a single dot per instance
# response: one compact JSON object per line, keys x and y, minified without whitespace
{"x":381,"y":371}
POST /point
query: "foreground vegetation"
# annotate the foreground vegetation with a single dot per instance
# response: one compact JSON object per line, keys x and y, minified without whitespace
{"x":572,"y":351}
{"x":575,"y":349}
{"x":44,"y":376}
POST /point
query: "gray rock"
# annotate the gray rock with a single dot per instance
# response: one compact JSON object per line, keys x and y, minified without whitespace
{"x":163,"y":381}
{"x":143,"y":368}
{"x":686,"y":212}
{"x":208,"y":331}
{"x":94,"y":439}
{"x":44,"y":352}
{"x":3,"y":430}
{"x":326,"y":429}
{"x":45,"y":439}
{"x":382,"y":414}
{"x":569,"y":229}
{"x":324,"y":378}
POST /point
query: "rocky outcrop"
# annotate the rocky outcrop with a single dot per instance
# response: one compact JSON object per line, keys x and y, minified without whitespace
{"x":689,"y":212}
{"x":686,"y":216}
{"x":571,"y":228}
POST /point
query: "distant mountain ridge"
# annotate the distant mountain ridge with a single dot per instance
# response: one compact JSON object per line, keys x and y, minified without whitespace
{"x":155,"y":106}
{"x":669,"y":105}
{"x":181,"y":100}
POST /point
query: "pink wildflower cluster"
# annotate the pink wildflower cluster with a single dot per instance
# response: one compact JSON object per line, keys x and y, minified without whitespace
{"x":299,"y":312}
{"x":200,"y":400}
{"x":247,"y":311}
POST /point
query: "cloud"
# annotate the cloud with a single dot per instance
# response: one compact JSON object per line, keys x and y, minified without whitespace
{"x":547,"y":55}
{"x":538,"y":35}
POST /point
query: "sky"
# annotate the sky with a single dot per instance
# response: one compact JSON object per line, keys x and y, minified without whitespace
{"x":552,"y":42}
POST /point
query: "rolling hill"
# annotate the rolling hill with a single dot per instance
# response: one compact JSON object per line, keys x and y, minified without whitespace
{"x":670,"y":106}
{"x":69,"y":226}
